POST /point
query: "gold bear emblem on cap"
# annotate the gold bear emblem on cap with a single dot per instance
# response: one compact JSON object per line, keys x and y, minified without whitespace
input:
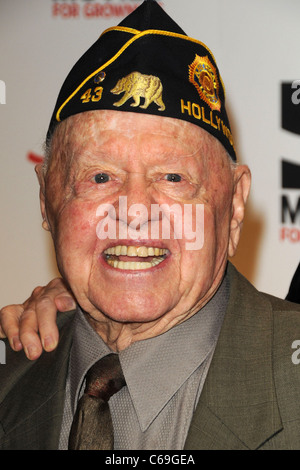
{"x":137,"y":86}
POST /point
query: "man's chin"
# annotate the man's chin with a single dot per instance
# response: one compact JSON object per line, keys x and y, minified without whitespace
{"x":127,"y":316}
{"x":128,"y":310}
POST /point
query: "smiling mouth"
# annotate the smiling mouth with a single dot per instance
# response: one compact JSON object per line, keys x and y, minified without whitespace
{"x":134,"y":257}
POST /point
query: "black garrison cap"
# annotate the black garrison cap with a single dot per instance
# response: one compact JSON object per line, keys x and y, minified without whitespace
{"x":148,"y":65}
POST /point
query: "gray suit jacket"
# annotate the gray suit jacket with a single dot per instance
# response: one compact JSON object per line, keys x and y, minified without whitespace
{"x":250,"y":400}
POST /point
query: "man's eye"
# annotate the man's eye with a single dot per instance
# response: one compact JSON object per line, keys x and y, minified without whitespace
{"x":173,"y":177}
{"x":101,"y":178}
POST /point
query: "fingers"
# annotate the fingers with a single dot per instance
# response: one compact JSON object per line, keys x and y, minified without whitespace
{"x":9,"y":325}
{"x":28,"y":333}
{"x":32,"y":325}
{"x":38,"y":329}
{"x":65,"y":302}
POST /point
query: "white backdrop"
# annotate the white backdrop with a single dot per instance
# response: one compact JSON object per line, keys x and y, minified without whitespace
{"x":256,"y":45}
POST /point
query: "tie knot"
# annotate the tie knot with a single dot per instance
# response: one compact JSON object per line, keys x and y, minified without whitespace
{"x":105,"y":378}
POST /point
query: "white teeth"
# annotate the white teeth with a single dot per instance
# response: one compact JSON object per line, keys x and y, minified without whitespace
{"x":134,"y":265}
{"x":140,"y":251}
{"x":137,"y":251}
{"x":131,"y":251}
{"x":123,"y":250}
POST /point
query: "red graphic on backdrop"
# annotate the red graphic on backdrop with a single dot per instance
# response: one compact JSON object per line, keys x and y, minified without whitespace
{"x":89,"y":9}
{"x":34,"y":158}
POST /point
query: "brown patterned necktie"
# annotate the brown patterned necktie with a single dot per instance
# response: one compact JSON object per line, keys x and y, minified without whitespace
{"x":92,"y":427}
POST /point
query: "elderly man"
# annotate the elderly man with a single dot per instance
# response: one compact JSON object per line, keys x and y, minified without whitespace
{"x":190,"y":354}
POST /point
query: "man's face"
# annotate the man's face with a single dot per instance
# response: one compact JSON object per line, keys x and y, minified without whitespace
{"x":101,"y":156}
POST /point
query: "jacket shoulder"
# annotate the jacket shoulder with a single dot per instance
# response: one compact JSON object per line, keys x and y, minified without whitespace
{"x":286,"y":370}
{"x":282,"y":305}
{"x":17,"y":365}
{"x":277,"y":304}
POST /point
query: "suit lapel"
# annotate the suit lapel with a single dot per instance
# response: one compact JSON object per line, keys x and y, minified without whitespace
{"x":238,"y":407}
{"x":32,"y":418}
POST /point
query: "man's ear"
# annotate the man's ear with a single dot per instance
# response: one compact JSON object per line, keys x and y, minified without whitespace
{"x":242,"y":183}
{"x":40,"y":174}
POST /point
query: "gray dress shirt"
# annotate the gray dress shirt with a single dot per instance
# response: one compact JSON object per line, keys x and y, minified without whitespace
{"x":164,"y":378}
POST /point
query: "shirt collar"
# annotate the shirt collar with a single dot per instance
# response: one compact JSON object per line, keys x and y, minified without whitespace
{"x":156,"y":368}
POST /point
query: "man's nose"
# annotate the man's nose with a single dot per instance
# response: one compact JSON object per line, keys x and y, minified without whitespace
{"x":134,"y":206}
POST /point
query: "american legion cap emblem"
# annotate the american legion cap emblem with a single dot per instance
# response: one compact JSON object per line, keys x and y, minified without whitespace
{"x":203,"y":75}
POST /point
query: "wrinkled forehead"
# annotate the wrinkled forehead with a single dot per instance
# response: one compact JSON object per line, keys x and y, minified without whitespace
{"x":101,"y":128}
